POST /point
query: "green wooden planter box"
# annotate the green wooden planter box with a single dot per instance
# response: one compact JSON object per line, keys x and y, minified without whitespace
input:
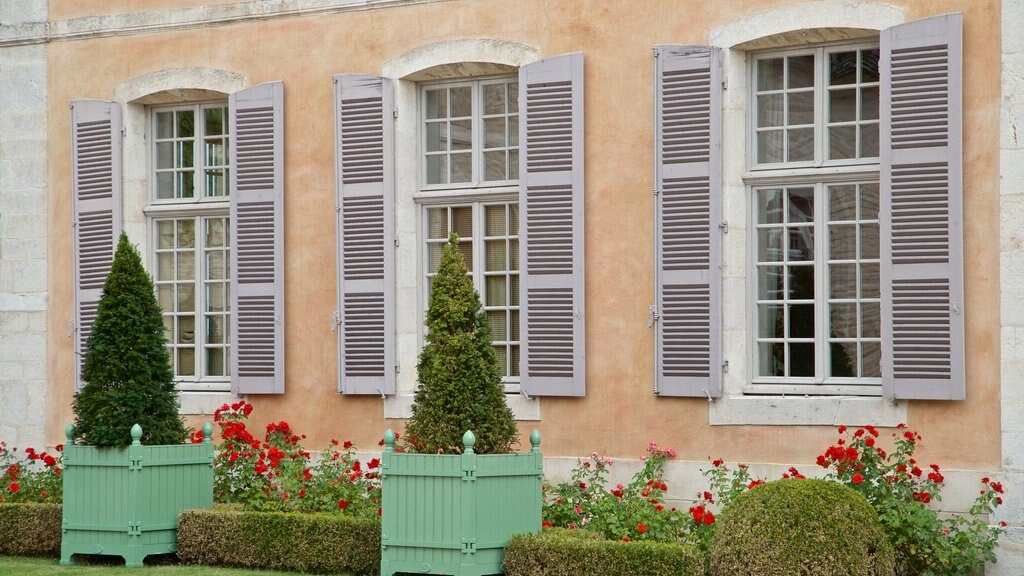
{"x":125,"y":501}
{"x":454,"y":513}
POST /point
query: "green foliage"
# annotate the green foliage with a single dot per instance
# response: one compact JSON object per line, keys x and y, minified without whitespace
{"x":801,"y":526}
{"x":460,"y":379}
{"x":279,"y":475}
{"x":30,"y":529}
{"x":311,"y":543}
{"x":34,"y":477}
{"x":127,"y":369}
{"x":561,"y":552}
{"x":904,"y":494}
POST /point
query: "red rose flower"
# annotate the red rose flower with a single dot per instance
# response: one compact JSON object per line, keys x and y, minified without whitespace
{"x":858,"y":478}
{"x":709,"y":518}
{"x":374,"y":463}
{"x":13,"y":487}
{"x":546,"y":524}
{"x":342,"y":504}
{"x":641,"y":528}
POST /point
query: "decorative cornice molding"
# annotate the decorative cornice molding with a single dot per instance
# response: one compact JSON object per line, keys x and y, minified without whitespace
{"x":182,"y":19}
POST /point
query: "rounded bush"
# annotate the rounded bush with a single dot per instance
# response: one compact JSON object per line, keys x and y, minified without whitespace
{"x":801,"y":527}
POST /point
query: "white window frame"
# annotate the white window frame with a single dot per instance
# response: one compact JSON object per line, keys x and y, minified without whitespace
{"x":818,"y":173}
{"x":478,"y":205}
{"x":199,"y":207}
{"x":477,"y":183}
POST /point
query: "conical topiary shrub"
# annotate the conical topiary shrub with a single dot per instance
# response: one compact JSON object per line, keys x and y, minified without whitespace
{"x":127,"y":369}
{"x":460,"y":379}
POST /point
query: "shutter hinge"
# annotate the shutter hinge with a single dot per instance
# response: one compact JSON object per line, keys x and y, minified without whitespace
{"x":72,"y":328}
{"x":381,"y":392}
{"x":708,"y":394}
{"x":955,"y":307}
{"x":724,"y":226}
{"x":398,"y":368}
{"x":394,"y":112}
{"x":396,"y":242}
{"x":337,"y":208}
{"x":124,"y":132}
{"x":725,"y":366}
{"x":335,"y":321}
{"x":656,"y":51}
{"x":652,"y":316}
{"x":656,"y":191}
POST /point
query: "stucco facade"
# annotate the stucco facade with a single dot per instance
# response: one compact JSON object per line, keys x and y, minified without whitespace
{"x":139,"y":54}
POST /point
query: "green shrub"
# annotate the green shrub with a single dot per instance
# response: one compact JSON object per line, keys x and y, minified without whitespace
{"x":460,"y":378}
{"x":313,"y":543}
{"x":127,"y":368}
{"x":559,"y":552}
{"x":801,"y":526}
{"x":30,"y":530}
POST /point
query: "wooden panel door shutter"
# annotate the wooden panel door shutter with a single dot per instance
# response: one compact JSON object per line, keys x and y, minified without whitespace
{"x":96,"y":189}
{"x":688,"y":203}
{"x":552,"y":318}
{"x":257,"y":239}
{"x":921,"y":215}
{"x":364,"y":130}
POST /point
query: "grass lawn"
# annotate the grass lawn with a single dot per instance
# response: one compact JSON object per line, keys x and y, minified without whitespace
{"x":13,"y":565}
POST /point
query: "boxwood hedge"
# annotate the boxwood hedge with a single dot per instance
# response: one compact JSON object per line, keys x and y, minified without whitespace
{"x":30,"y":529}
{"x":560,"y":552}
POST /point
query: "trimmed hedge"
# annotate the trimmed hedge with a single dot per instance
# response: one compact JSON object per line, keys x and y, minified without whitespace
{"x":560,"y":552}
{"x":28,"y":529}
{"x":312,"y":543}
{"x":801,"y":526}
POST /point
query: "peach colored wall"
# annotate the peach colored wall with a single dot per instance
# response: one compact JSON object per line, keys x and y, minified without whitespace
{"x":67,"y":9}
{"x":619,"y":415}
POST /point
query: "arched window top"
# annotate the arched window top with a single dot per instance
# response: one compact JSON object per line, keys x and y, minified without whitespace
{"x":814,"y":22}
{"x":173,"y":85}
{"x":459,"y":59}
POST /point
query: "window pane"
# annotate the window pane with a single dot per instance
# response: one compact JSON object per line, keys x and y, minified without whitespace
{"x":513,"y":297}
{"x":434,"y":253}
{"x":216,"y":183}
{"x":801,"y":205}
{"x":869,"y":281}
{"x":495,"y":220}
{"x":871,"y":360}
{"x":771,"y":361}
{"x":186,"y":329}
{"x":215,"y":330}
{"x":513,"y":97}
{"x":498,"y":320}
{"x":843,"y":280}
{"x":462,"y":134}
{"x":186,"y":362}
{"x":496,"y":291}
{"x":494,"y":99}
{"x":501,"y":355}
{"x":844,"y":321}
{"x":494,"y":132}
{"x":437,"y":136}
{"x":462,"y":168}
{"x":769,"y":206}
{"x":871,"y":320}
{"x":801,"y":359}
{"x":165,"y":266}
{"x":769,"y":74}
{"x":770,"y":321}
{"x":842,"y":242}
{"x":216,"y":266}
{"x":801,"y":108}
{"x":801,"y":283}
{"x":437,"y":222}
{"x":215,"y":362}
{"x":842,"y":105}
{"x":842,"y":202}
{"x":216,"y":298}
{"x":869,"y":103}
{"x":164,"y":155}
{"x":186,"y":298}
{"x":437,"y":169}
{"x":769,"y":110}
{"x":801,"y":321}
{"x":437,"y":104}
{"x":844,"y":359}
{"x":494,"y":166}
{"x":165,"y":185}
{"x":462,"y":221}
{"x":513,"y":219}
{"x":165,"y":124}
{"x":769,"y":245}
{"x":769,"y":146}
{"x":165,"y":232}
{"x":513,"y":164}
{"x":513,"y":131}
{"x":514,"y":352}
{"x":186,"y":233}
{"x":869,"y":65}
{"x":186,"y":124}
{"x":495,"y":256}
{"x":769,"y":282}
{"x":869,"y":201}
{"x":869,"y":140}
{"x":462,"y":102}
{"x":216,"y":234}
{"x":801,"y":145}
{"x":214,"y":121}
{"x":869,"y":241}
{"x":466,"y":248}
{"x":842,"y":68}
{"x":842,"y":142}
{"x":513,"y":255}
{"x":165,"y":295}
{"x":801,"y":71}
{"x":186,"y":185}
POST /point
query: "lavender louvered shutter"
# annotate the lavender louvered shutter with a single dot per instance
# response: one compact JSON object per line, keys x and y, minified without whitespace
{"x":257,"y":239}
{"x":688,"y":204}
{"x":551,"y":223}
{"x":921,"y":216}
{"x":96,"y":189}
{"x":364,"y":128}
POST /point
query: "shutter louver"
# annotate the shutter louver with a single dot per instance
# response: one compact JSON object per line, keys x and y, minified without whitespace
{"x":688,"y":286}
{"x":257,"y":239}
{"x":96,"y":189}
{"x":921,"y":226}
{"x":551,"y":221}
{"x":366,"y":237}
